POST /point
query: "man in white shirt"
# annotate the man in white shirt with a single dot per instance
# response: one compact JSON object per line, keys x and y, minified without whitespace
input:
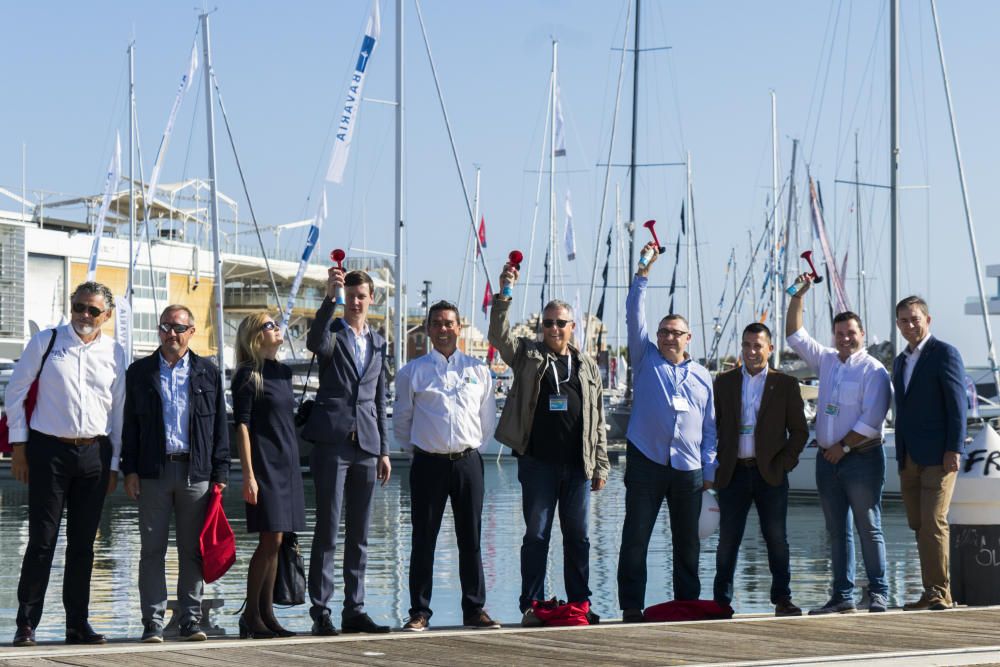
{"x":67,"y":453}
{"x":445,"y":411}
{"x":854,"y":396}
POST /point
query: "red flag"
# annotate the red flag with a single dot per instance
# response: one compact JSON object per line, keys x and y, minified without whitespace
{"x":487,"y":297}
{"x":490,"y":353}
{"x":482,"y":234}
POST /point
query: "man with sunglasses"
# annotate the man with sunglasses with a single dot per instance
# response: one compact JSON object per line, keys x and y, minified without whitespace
{"x":67,"y":453}
{"x":671,"y":448}
{"x":175,"y":446}
{"x":445,"y":411}
{"x":554,"y":421}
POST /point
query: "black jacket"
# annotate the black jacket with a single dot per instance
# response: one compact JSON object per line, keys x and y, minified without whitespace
{"x":143,"y":436}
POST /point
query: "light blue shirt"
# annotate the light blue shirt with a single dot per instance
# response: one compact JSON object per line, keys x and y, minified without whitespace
{"x":174,"y":390}
{"x":685,"y":439}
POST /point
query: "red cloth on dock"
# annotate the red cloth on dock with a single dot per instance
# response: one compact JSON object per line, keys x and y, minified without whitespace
{"x":552,"y":613}
{"x":687,"y":610}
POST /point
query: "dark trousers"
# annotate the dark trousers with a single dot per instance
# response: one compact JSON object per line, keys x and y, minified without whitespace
{"x":646,"y":485}
{"x":433,"y":481}
{"x":747,"y":488}
{"x":344,"y":476}
{"x":544,"y":486}
{"x":61,"y":476}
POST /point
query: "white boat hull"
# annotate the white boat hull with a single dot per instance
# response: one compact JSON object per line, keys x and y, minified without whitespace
{"x":802,"y":480}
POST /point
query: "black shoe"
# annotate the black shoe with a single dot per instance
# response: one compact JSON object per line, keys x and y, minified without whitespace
{"x":246,"y":632}
{"x":152,"y":633}
{"x":83,"y":634}
{"x":362,"y":623}
{"x":323,"y":627}
{"x":592,"y":618}
{"x":191,"y":632}
{"x":632,"y":616}
{"x":785,"y":607}
{"x":25,"y":636}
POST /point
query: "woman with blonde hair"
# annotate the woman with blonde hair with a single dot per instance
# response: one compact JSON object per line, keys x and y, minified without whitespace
{"x":263,"y":409}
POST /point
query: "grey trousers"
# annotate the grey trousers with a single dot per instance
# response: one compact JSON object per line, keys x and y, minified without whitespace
{"x":171,"y":494}
{"x":344,"y":476}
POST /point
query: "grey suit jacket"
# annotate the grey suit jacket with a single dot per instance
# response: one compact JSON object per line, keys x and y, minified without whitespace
{"x":345,"y":401}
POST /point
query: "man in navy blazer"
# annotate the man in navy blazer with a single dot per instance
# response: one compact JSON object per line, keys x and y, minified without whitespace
{"x":349,"y":427}
{"x":929,"y":382}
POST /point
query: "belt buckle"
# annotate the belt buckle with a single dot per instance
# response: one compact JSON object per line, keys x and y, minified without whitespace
{"x":454,"y":456}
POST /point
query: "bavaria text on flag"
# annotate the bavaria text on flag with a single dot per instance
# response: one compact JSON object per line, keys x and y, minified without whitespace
{"x":110,"y":183}
{"x":570,"y":236}
{"x":352,"y":102}
{"x":312,"y":238}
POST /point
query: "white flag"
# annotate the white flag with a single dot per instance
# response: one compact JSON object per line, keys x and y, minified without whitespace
{"x":560,"y":127}
{"x":123,"y":324}
{"x":110,"y":183}
{"x":185,"y":84}
{"x":352,"y":103}
{"x":570,"y":236}
{"x":312,"y":239}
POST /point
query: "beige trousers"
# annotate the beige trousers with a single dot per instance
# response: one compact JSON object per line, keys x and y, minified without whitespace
{"x":926,"y":495}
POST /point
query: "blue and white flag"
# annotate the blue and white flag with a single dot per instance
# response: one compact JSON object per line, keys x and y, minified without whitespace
{"x":110,"y":183}
{"x":560,"y":145}
{"x":352,"y":103}
{"x":185,"y":84}
{"x":570,"y":236}
{"x":312,"y":239}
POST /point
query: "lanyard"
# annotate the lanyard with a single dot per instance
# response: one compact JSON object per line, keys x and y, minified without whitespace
{"x":555,"y":375}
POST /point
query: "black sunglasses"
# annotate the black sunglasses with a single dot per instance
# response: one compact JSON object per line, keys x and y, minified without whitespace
{"x":93,"y":311}
{"x":548,"y":324}
{"x":269,"y":326}
{"x":166,"y":327}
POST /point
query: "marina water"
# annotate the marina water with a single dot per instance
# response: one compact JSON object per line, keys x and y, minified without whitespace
{"x":114,"y":601}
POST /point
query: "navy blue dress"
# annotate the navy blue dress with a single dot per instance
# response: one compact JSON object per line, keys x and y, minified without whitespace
{"x":274,"y":448}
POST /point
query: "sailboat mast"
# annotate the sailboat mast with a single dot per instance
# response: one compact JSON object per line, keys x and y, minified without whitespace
{"x":787,"y":242}
{"x":631,"y":173}
{"x":399,"y":349}
{"x":893,"y":170}
{"x":472,"y":291}
{"x":860,"y":241}
{"x":775,"y":287}
{"x":687,"y":213}
{"x":214,"y":197}
{"x":552,"y":173}
{"x":130,"y":291}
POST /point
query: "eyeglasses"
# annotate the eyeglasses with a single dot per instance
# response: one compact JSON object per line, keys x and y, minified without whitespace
{"x":548,"y":324}
{"x":269,"y":326}
{"x":671,"y":333}
{"x":93,"y":311}
{"x":166,"y":328}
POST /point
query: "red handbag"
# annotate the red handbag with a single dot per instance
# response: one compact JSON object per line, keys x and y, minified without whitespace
{"x":29,"y":402}
{"x":218,"y":543}
{"x":555,"y":613}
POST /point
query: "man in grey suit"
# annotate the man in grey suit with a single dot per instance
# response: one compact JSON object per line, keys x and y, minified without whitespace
{"x":349,"y":428}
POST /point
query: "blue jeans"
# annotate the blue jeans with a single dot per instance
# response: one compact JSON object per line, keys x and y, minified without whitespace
{"x":646,"y":485}
{"x":854,"y":487}
{"x":543,"y":487}
{"x":747,"y":488}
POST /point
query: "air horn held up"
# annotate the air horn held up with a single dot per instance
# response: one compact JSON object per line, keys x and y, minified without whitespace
{"x":799,"y":284}
{"x":647,"y":255}
{"x":514,"y":259}
{"x":338,"y":256}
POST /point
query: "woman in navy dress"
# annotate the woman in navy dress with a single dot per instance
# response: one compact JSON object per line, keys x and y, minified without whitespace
{"x":264,"y":409}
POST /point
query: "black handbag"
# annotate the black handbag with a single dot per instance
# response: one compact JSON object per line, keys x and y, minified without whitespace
{"x":290,"y":580}
{"x":305,"y":407}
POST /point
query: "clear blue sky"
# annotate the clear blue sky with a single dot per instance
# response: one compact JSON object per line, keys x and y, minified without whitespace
{"x":283,"y":67}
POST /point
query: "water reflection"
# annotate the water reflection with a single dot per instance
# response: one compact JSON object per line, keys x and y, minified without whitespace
{"x":114,"y":605}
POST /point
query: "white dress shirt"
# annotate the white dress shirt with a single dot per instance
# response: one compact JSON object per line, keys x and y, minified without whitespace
{"x":912,"y":356}
{"x":753,"y":390}
{"x":361,"y":346}
{"x":854,"y":395}
{"x":81,"y":391}
{"x":443,"y":405}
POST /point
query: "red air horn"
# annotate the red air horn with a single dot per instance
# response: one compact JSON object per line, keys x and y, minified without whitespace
{"x":338,"y":256}
{"x":799,"y":284}
{"x":514,"y":259}
{"x":651,"y":226}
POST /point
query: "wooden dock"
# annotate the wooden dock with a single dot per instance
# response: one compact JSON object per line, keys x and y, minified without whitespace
{"x":955,"y":637}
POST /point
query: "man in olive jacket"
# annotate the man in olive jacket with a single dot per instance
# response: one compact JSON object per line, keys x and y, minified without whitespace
{"x":761,"y":430}
{"x":554,"y":421}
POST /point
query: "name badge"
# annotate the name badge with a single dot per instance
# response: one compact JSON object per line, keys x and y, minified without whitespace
{"x":680,"y":404}
{"x":558,"y":404}
{"x":746,"y":429}
{"x":832,"y":409}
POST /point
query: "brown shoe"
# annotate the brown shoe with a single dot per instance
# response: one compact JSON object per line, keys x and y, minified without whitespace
{"x":417,"y":623}
{"x":481,"y":621}
{"x":785,"y":607}
{"x":930,"y":600}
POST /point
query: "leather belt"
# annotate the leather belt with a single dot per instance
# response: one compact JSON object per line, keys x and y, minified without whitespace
{"x":748,"y":463}
{"x":450,"y":456}
{"x":79,"y":442}
{"x":182,"y":457}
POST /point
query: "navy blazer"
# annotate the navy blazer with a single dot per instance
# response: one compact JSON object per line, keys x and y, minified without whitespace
{"x":144,"y":449}
{"x":346,"y":402}
{"x":930,"y":414}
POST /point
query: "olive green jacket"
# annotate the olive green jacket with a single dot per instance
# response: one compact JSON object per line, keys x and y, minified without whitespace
{"x":526,"y":358}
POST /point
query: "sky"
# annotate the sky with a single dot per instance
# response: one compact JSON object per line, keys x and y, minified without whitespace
{"x":283,"y":69}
